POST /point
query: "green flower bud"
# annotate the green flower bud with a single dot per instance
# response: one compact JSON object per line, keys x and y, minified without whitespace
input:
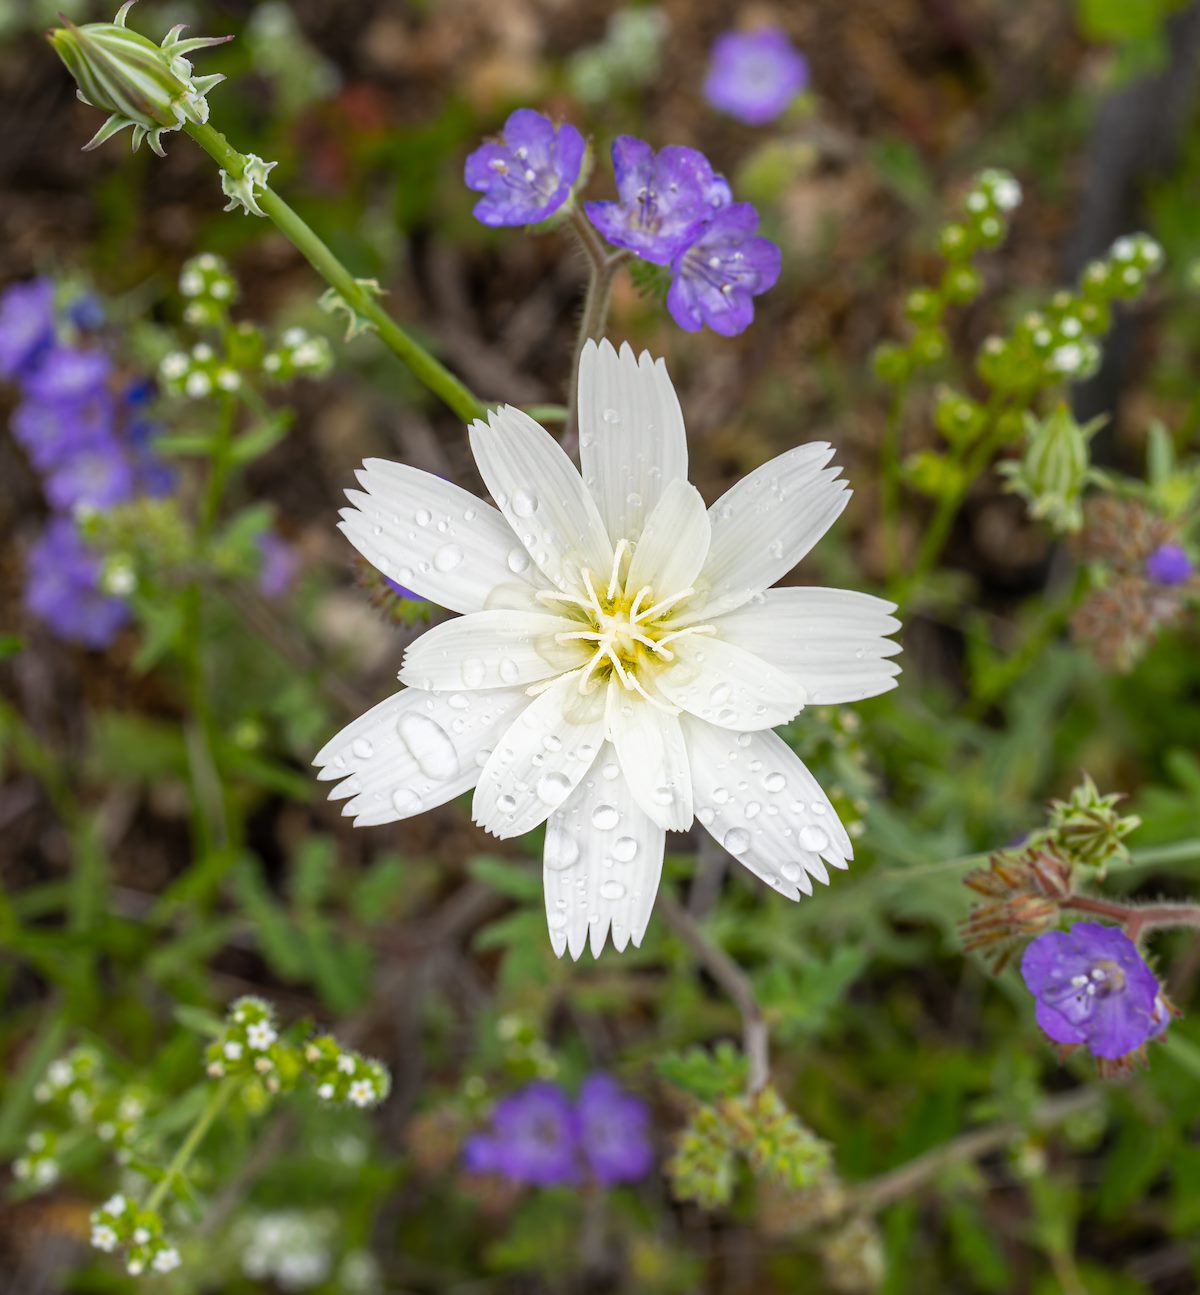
{"x":923,"y":306}
{"x":1055,"y":468}
{"x":1087,"y":828}
{"x":143,"y":85}
{"x":892,"y":363}
{"x":962,"y":284}
{"x":957,"y":417}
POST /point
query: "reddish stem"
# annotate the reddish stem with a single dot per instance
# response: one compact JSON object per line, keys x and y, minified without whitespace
{"x":1135,"y":918}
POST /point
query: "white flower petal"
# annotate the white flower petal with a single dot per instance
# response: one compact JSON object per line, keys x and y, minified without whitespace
{"x":541,"y":495}
{"x":674,"y":544}
{"x":602,"y":863}
{"x":757,"y":799}
{"x":433,"y":537}
{"x":631,"y":439}
{"x":728,"y":686}
{"x":493,"y":649}
{"x":415,"y":750}
{"x":653,"y":757}
{"x":539,"y":760}
{"x":765,"y":524}
{"x":833,"y":641}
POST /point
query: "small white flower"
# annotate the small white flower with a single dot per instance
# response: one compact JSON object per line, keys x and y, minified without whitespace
{"x":103,"y":1237}
{"x":1006,"y":193}
{"x":135,"y":1268}
{"x":1070,"y":326}
{"x":167,"y":1260}
{"x":115,"y":1205}
{"x":362,"y":1092}
{"x":202,"y":352}
{"x":232,"y":1050}
{"x":198,"y":385}
{"x":228,"y":380}
{"x":60,"y":1074}
{"x":45,"y":1172}
{"x":260,"y":1035}
{"x":347,"y":1064}
{"x":174,"y":365}
{"x":325,"y":1092}
{"x":620,"y":658}
{"x":1067,"y":359}
{"x":140,"y":1236}
{"x":294,"y":337}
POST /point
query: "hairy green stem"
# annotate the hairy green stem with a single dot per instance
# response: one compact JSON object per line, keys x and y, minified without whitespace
{"x":188,"y":1147}
{"x":421,"y":364}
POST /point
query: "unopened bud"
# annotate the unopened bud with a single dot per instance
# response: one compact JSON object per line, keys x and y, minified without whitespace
{"x":1054,"y":470}
{"x":147,"y":86}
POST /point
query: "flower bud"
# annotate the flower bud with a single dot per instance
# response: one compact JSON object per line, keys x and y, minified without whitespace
{"x":143,"y":85}
{"x":1055,"y":468}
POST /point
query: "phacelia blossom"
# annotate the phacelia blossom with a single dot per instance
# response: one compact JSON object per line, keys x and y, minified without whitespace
{"x":51,"y":432}
{"x":717,"y":276}
{"x":68,"y":374}
{"x":1169,"y":564}
{"x":665,"y":199}
{"x":619,"y":658}
{"x":97,"y":475}
{"x":280,"y":565}
{"x":62,"y":588}
{"x":614,"y":1132}
{"x":26,"y":326}
{"x":528,"y":173}
{"x":1093,"y":988}
{"x":533,"y":1139}
{"x":754,"y":76}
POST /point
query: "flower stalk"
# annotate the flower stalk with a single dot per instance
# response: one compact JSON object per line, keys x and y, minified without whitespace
{"x":428,"y":370}
{"x":217,"y":1102}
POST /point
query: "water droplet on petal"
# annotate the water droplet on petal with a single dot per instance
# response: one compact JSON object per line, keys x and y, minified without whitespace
{"x":482,"y":756}
{"x":753,"y":808}
{"x":705,"y":814}
{"x":605,"y":817}
{"x":553,"y":789}
{"x":791,"y":871}
{"x":625,"y":849}
{"x":456,"y":701}
{"x":565,"y":853}
{"x":814,"y":838}
{"x":430,"y":746}
{"x":774,"y":782}
{"x":720,"y":795}
{"x":720,"y":694}
{"x":611,"y":416}
{"x":518,"y":561}
{"x":448,"y":557}
{"x":509,"y":670}
{"x":423,"y":517}
{"x":612,"y":890}
{"x":505,"y":804}
{"x":736,"y":840}
{"x":663,"y":795}
{"x":610,"y":770}
{"x":406,"y":802}
{"x":524,"y":502}
{"x":556,"y":921}
{"x":473,"y":672}
{"x":362,"y":748}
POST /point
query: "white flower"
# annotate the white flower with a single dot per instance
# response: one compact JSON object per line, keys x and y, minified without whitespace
{"x":620,"y":657}
{"x":260,"y":1035}
{"x":362,"y":1092}
{"x":166,"y":1260}
{"x":104,"y":1238}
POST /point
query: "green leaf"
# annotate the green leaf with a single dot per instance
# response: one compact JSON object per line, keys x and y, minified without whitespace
{"x":516,"y":880}
{"x":259,"y":440}
{"x":277,"y":937}
{"x":706,"y":1075}
{"x":312,"y":873}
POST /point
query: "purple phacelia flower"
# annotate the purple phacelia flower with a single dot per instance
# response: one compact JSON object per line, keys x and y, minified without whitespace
{"x":68,"y":374}
{"x":754,"y":76}
{"x":665,"y":199}
{"x":716,"y":277}
{"x":1094,"y":989}
{"x":26,"y":326}
{"x":614,"y":1132}
{"x":50,"y":432}
{"x":62,"y":578}
{"x":280,"y":565}
{"x":533,"y":1139}
{"x":99,"y":475}
{"x":528,"y":173}
{"x":1169,"y":564}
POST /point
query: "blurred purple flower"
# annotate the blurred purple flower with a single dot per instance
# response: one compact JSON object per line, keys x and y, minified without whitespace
{"x":754,"y":76}
{"x":26,"y":326}
{"x":400,"y":591}
{"x":97,"y":475}
{"x":156,"y":477}
{"x":86,"y":312}
{"x":51,"y":431}
{"x":66,"y":373}
{"x":614,"y":1132}
{"x":280,"y":565}
{"x":528,"y":173}
{"x":1169,"y":564}
{"x":533,"y":1138}
{"x":665,"y":198}
{"x":716,"y":277}
{"x":1094,"y":988}
{"x":62,"y":588}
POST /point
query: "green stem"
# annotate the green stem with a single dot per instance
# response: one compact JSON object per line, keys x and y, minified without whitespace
{"x":938,"y":530}
{"x":422,"y":365}
{"x":188,"y":1147}
{"x":889,"y":479}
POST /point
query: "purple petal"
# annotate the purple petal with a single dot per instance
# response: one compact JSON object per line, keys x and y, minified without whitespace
{"x":754,"y":76}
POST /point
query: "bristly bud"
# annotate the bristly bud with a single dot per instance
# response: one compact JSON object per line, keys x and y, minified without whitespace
{"x":1086,"y":827}
{"x":1055,"y":468}
{"x":149,"y":87}
{"x":1025,"y":891}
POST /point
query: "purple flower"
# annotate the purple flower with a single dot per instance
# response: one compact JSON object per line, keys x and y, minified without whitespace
{"x":400,"y":591}
{"x":280,"y":564}
{"x":1094,"y":988}
{"x":62,"y":588}
{"x":51,"y":431}
{"x":665,"y":199}
{"x":754,"y":76}
{"x":26,"y":326}
{"x":1169,"y":564}
{"x":717,"y":275}
{"x":614,"y":1132}
{"x":533,"y":1138}
{"x":97,"y":475}
{"x":527,"y":174}
{"x":69,"y":374}
{"x":156,"y":477}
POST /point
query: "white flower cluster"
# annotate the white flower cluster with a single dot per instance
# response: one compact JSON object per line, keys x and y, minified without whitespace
{"x":299,"y":353}
{"x":118,"y":1224}
{"x":209,"y":287}
{"x":289,"y":1247}
{"x":198,"y":374}
{"x":248,"y":1045}
{"x":343,"y":1076}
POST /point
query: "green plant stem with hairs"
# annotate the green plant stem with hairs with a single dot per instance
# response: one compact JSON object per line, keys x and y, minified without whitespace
{"x":423,"y":366}
{"x":218,"y":1100}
